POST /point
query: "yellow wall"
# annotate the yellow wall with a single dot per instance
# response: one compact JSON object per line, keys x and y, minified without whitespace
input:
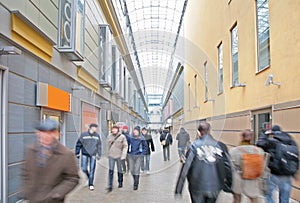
{"x":207,"y":23}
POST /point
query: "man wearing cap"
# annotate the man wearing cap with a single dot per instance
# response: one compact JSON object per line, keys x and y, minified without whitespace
{"x":283,"y":163}
{"x":89,"y":143}
{"x":49,"y":171}
{"x":116,"y":150}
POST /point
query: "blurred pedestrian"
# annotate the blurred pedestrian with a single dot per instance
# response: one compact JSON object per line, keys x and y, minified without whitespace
{"x":89,"y":143}
{"x":150,"y":148}
{"x":183,"y":139}
{"x":250,"y":187}
{"x":284,"y":162}
{"x":166,"y":140}
{"x":50,"y":170}
{"x":125,"y":162}
{"x":116,"y":151}
{"x":137,"y":150}
{"x":207,"y":168}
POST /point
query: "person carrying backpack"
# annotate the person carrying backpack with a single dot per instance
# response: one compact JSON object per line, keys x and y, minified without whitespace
{"x":249,"y":164}
{"x":284,"y":162}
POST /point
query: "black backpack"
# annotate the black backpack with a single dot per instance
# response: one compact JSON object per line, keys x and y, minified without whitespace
{"x":284,"y":158}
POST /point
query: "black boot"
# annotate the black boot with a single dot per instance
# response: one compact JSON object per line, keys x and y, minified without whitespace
{"x":136,"y":181}
{"x":120,"y":179}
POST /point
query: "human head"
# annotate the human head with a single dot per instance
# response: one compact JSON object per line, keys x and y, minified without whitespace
{"x":48,"y":132}
{"x":144,"y":130}
{"x":93,"y":127}
{"x":136,"y":131}
{"x":203,"y":129}
{"x":247,"y":135}
{"x":276,"y":129}
{"x":115,"y":130}
{"x":125,"y":128}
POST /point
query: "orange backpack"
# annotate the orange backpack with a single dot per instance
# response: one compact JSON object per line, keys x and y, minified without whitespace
{"x":252,"y":165}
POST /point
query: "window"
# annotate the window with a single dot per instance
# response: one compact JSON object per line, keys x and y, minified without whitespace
{"x":234,"y":55}
{"x":114,"y":68}
{"x":196,"y":97}
{"x":220,"y":67}
{"x":263,"y":34}
{"x":206,"y":81}
{"x":105,"y":54}
{"x":71,"y":28}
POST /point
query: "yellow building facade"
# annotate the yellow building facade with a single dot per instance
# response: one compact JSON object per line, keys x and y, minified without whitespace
{"x":262,"y":96}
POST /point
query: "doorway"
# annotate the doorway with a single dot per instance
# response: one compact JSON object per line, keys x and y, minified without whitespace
{"x":58,"y":116}
{"x":262,"y":121}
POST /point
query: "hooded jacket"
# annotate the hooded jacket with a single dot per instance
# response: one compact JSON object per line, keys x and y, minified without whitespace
{"x":207,"y":168}
{"x":137,"y":145}
{"x":167,"y":137}
{"x":116,"y":146}
{"x":183,"y":138}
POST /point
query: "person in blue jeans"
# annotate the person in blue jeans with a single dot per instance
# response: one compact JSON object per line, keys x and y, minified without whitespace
{"x":89,"y":143}
{"x":145,"y":167}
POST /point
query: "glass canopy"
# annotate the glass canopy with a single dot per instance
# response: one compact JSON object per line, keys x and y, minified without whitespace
{"x":151,"y":29}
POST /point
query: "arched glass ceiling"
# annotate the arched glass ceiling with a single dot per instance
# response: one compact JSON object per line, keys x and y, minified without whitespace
{"x":151,"y":29}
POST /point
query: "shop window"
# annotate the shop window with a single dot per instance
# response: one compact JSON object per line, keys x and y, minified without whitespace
{"x":71,"y":28}
{"x":263,"y":34}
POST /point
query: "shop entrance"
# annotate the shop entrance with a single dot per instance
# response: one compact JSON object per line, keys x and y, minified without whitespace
{"x":58,"y":116}
{"x":262,"y":121}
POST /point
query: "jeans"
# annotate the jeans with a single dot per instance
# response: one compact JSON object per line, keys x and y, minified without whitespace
{"x":166,"y":152}
{"x":197,"y":197}
{"x":181,"y":151}
{"x":84,"y":165}
{"x":112,"y":163}
{"x":135,"y":162}
{"x":284,"y":184}
{"x":145,"y":166}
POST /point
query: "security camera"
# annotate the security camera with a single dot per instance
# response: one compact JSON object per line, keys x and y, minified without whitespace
{"x":269,"y":80}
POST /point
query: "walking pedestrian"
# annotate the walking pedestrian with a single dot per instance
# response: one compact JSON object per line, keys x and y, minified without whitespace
{"x":125,"y":162}
{"x":150,"y":148}
{"x":117,"y":148}
{"x":183,"y":139}
{"x":207,"y":168}
{"x":89,"y":143}
{"x":250,"y":187}
{"x":137,"y":150}
{"x":50,"y":170}
{"x":284,"y":162}
{"x":166,"y":140}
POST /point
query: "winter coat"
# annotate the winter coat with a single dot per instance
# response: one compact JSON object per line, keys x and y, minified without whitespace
{"x":137,"y":145}
{"x":250,"y":188}
{"x":183,"y":138}
{"x":207,"y":168}
{"x":166,"y":134}
{"x":53,"y":182}
{"x":90,"y":144}
{"x":150,"y":144}
{"x":116,"y":146}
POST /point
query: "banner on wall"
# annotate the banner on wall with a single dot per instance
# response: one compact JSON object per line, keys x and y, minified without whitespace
{"x":89,"y":114}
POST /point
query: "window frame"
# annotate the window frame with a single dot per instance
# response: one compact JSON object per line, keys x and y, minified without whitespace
{"x":258,"y":48}
{"x":234,"y":83}
{"x":220,"y":83}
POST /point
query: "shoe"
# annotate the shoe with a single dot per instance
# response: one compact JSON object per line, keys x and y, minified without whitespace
{"x":135,"y":187}
{"x":92,"y":188}
{"x":120,"y":185}
{"x":109,"y":189}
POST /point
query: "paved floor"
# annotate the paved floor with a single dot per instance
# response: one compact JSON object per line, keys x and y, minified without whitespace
{"x":157,"y":187}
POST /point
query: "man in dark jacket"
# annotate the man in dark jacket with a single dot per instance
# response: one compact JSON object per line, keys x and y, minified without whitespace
{"x":50,"y":170}
{"x":125,"y":163}
{"x":137,"y":148}
{"x":279,"y":178}
{"x":183,"y":140}
{"x":146,"y":160}
{"x":89,"y":143}
{"x":207,"y":168}
{"x":166,"y":140}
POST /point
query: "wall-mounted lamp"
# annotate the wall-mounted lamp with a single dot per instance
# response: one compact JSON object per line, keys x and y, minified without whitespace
{"x":9,"y":50}
{"x":78,"y":88}
{"x":270,"y":81}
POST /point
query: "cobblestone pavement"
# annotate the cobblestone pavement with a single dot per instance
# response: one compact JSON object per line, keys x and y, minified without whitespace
{"x":156,"y":187}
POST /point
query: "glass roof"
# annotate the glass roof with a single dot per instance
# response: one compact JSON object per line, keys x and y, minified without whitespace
{"x":151,"y":28}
